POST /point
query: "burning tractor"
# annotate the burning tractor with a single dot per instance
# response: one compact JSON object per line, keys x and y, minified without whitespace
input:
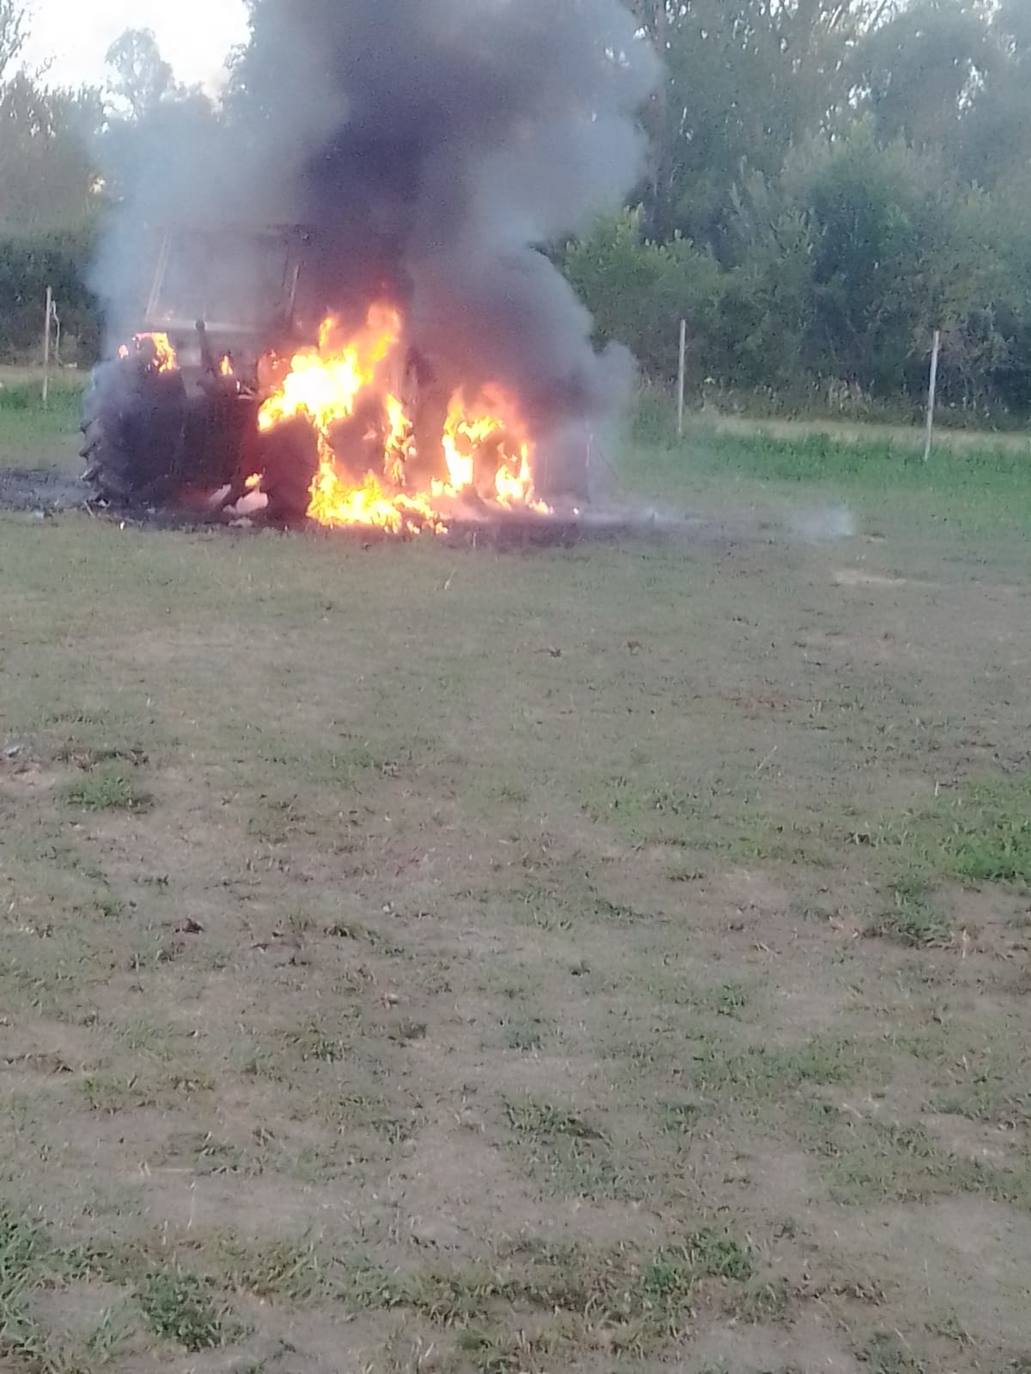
{"x":270,"y":406}
{"x":176,"y":411}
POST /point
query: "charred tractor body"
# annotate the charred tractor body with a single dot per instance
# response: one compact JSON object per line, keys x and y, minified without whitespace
{"x":175,"y":412}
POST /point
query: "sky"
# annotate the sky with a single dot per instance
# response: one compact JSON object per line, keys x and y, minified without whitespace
{"x":74,"y":35}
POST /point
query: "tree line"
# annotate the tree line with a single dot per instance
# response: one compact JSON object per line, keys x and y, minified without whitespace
{"x":65,"y":155}
{"x":828,"y":182}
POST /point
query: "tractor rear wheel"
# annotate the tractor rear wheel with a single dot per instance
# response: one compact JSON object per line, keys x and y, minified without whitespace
{"x":134,"y":421}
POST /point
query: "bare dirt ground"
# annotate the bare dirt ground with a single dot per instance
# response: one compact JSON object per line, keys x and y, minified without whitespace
{"x":596,"y":959}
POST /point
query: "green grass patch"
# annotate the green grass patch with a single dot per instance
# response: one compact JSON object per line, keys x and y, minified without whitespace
{"x":982,"y":833}
{"x":759,"y":1072}
{"x":567,"y":1156}
{"x":277,"y":1271}
{"x":992,"y":1080}
{"x":31,"y":437}
{"x":869,"y":1163}
{"x":525,"y":1036}
{"x":26,"y":398}
{"x":23,"y":1251}
{"x":710,"y":1254}
{"x":108,"y":791}
{"x":639,"y":1298}
{"x":990,"y":839}
{"x":680,"y":1118}
{"x":912,"y":919}
{"x":31,"y":1265}
{"x":981,"y":484}
{"x":90,"y":757}
{"x":180,"y":1307}
{"x":729,"y":1000}
{"x":542,"y":1120}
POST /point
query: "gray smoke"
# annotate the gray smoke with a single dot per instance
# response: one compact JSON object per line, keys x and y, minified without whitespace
{"x":435,"y":147}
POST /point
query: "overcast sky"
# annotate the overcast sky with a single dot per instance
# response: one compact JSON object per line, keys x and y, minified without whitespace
{"x":195,"y":35}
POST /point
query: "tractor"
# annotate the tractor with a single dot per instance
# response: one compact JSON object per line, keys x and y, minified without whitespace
{"x":174,"y":414}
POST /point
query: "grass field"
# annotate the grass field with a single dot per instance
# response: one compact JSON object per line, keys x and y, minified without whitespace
{"x":30,"y":437}
{"x":609,"y":959}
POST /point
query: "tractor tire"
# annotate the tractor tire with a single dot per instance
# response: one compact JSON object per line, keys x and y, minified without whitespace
{"x":133,"y":424}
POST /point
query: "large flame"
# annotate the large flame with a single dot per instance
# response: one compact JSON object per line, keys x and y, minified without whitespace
{"x":488,"y":451}
{"x":324,"y":382}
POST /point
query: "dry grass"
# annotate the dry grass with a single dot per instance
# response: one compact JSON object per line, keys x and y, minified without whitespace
{"x":601,"y":959}
{"x":905,"y":437}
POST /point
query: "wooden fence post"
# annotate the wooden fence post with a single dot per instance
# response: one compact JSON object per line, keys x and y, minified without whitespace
{"x":46,"y":348}
{"x":682,"y":379}
{"x":932,"y":393}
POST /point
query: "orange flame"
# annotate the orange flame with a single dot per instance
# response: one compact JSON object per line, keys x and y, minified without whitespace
{"x":336,"y":503}
{"x":165,"y":359}
{"x":487,"y":447}
{"x":225,"y":367}
{"x":324,"y":382}
{"x":491,"y":427}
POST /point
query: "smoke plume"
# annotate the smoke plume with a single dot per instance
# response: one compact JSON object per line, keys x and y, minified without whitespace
{"x":435,"y":147}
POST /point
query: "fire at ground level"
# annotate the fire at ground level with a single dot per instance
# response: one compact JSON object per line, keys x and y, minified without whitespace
{"x":356,"y":430}
{"x":44,"y":493}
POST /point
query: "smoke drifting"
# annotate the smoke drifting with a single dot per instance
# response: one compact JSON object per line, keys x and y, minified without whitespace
{"x":434,"y":146}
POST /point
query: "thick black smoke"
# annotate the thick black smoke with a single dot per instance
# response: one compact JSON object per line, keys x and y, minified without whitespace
{"x":435,"y":147}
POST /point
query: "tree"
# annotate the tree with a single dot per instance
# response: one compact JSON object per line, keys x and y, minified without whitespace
{"x":143,"y":79}
{"x":996,"y":131}
{"x":47,"y":179}
{"x":47,"y":197}
{"x":157,"y":131}
{"x":899,"y":248}
{"x":47,"y":173}
{"x":921,"y":72}
{"x":746,"y":81}
{"x":831,"y":181}
{"x":13,"y":33}
{"x":639,"y":291}
{"x":28,"y":265}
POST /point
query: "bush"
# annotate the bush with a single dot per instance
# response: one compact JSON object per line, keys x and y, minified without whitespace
{"x":28,"y":265}
{"x":638,"y":292}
